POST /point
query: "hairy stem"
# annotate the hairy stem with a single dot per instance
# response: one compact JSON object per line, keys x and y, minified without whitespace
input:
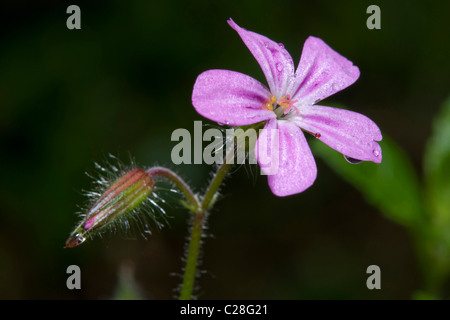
{"x":199,"y":220}
{"x":193,"y":203}
{"x":200,"y":216}
{"x":190,"y":269}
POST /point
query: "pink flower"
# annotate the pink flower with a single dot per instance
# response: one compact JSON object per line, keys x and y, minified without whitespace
{"x":289,"y":107}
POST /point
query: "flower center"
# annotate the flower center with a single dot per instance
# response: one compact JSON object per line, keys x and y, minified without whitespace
{"x":280,"y":107}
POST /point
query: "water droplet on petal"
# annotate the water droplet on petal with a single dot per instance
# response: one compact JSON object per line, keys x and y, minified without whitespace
{"x":279,"y":67}
{"x":352,"y":160}
{"x":266,"y":44}
{"x":335,"y":87}
{"x":375,"y":152}
{"x":281,"y":45}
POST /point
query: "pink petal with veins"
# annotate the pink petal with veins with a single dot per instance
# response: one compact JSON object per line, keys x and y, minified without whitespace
{"x":321,"y":73}
{"x":291,"y":163}
{"x":231,"y":98}
{"x":348,"y":132}
{"x":275,"y":61}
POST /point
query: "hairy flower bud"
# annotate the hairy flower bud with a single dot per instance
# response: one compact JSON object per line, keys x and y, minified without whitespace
{"x":123,"y":196}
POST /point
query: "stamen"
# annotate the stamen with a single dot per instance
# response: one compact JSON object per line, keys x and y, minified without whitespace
{"x":286,"y":103}
{"x":273,"y":99}
{"x":269,"y":104}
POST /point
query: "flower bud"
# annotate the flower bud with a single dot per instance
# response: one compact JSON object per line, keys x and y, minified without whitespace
{"x":125,"y":194}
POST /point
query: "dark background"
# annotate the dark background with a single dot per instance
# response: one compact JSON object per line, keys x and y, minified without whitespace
{"x":123,"y":83}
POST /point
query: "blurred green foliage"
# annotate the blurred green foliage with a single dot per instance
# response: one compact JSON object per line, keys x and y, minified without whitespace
{"x":127,"y":287}
{"x":437,"y":171}
{"x":393,"y":186}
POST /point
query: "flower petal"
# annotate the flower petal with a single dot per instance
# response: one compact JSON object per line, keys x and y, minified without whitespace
{"x":275,"y":61}
{"x":284,"y":155}
{"x":348,"y":132}
{"x":321,"y":73}
{"x":230,"y":97}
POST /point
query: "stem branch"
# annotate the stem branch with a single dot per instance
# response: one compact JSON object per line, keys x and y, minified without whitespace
{"x":199,"y":220}
{"x":193,"y":203}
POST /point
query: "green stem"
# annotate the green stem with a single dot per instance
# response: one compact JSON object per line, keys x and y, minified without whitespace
{"x":193,"y":202}
{"x":190,"y":269}
{"x":198,"y":222}
{"x":208,"y":199}
{"x":197,"y":225}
